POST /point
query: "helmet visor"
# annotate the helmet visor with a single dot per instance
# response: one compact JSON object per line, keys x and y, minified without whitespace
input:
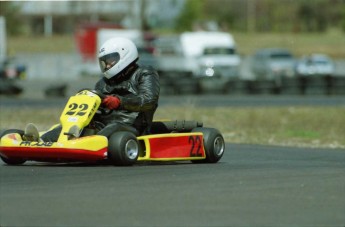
{"x":108,"y":61}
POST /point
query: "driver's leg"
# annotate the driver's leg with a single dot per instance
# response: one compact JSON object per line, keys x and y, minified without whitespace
{"x":52,"y":135}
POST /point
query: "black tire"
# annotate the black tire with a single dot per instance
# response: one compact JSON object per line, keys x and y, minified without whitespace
{"x":123,"y":148}
{"x":213,"y":143}
{"x":12,"y":161}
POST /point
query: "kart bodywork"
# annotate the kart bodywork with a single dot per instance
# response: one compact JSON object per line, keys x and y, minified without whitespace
{"x":171,"y":141}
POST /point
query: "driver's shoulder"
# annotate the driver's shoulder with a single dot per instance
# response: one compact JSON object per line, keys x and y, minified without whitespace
{"x":100,"y":81}
{"x":144,"y":71}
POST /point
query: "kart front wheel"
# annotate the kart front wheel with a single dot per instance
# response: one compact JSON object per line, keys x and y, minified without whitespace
{"x":123,"y":148}
{"x":213,"y":143}
{"x":12,"y":161}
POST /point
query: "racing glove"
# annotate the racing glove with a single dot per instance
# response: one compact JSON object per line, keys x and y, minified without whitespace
{"x":111,"y":102}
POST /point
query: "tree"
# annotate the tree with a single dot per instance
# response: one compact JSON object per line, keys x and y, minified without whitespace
{"x":11,"y":12}
{"x":343,"y":18}
{"x":266,"y":15}
{"x":191,"y":13}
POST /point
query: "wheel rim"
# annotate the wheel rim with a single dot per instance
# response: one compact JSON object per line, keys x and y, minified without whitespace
{"x":132,"y":149}
{"x":218,"y":146}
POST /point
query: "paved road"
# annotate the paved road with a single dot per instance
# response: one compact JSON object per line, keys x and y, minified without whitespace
{"x":251,"y":186}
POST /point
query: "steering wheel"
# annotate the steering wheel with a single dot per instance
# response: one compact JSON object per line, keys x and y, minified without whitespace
{"x":101,"y":95}
{"x":101,"y":110}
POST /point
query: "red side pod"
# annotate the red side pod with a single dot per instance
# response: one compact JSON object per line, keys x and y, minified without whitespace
{"x":187,"y":146}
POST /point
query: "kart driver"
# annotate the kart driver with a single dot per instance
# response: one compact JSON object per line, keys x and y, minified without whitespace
{"x":131,"y":92}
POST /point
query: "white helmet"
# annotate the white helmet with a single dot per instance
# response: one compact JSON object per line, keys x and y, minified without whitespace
{"x":115,"y":55}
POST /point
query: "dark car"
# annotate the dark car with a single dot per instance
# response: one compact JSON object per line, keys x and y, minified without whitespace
{"x":10,"y":70}
{"x":273,"y":63}
{"x":9,"y":73}
{"x":146,"y":57}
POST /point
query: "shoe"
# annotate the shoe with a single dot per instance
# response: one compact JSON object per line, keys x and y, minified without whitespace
{"x":31,"y":133}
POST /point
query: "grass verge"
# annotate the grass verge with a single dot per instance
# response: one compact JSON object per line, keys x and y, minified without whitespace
{"x":299,"y":43}
{"x":286,"y":126}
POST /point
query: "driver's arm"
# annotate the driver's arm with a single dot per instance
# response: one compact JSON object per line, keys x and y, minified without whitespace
{"x":148,"y":93}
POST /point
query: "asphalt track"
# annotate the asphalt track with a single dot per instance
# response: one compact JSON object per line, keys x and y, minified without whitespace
{"x":250,"y":186}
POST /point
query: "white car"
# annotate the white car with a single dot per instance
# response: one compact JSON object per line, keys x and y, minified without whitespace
{"x":315,"y":64}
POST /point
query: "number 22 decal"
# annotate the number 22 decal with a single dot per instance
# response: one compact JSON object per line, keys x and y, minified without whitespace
{"x":74,"y":109}
{"x":195,"y":151}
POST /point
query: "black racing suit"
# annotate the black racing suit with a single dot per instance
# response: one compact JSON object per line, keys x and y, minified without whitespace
{"x":138,"y":92}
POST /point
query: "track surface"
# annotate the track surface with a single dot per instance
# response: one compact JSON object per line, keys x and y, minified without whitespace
{"x":251,"y":186}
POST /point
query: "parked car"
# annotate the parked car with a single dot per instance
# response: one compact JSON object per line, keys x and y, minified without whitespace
{"x":315,"y":65}
{"x":146,"y":57}
{"x":11,"y":70}
{"x":272,"y":64}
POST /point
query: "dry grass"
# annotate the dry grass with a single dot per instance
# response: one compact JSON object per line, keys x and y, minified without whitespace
{"x":41,"y":44}
{"x":298,"y":43}
{"x":302,"y":126}
{"x":287,"y":126}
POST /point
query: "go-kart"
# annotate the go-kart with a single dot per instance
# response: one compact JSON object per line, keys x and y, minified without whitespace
{"x":79,"y":142}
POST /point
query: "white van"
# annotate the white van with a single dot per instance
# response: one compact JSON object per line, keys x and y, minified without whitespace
{"x":200,"y":56}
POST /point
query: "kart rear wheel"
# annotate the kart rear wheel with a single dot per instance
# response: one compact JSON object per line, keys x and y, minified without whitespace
{"x":123,"y":148}
{"x":12,"y":161}
{"x":213,"y":143}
